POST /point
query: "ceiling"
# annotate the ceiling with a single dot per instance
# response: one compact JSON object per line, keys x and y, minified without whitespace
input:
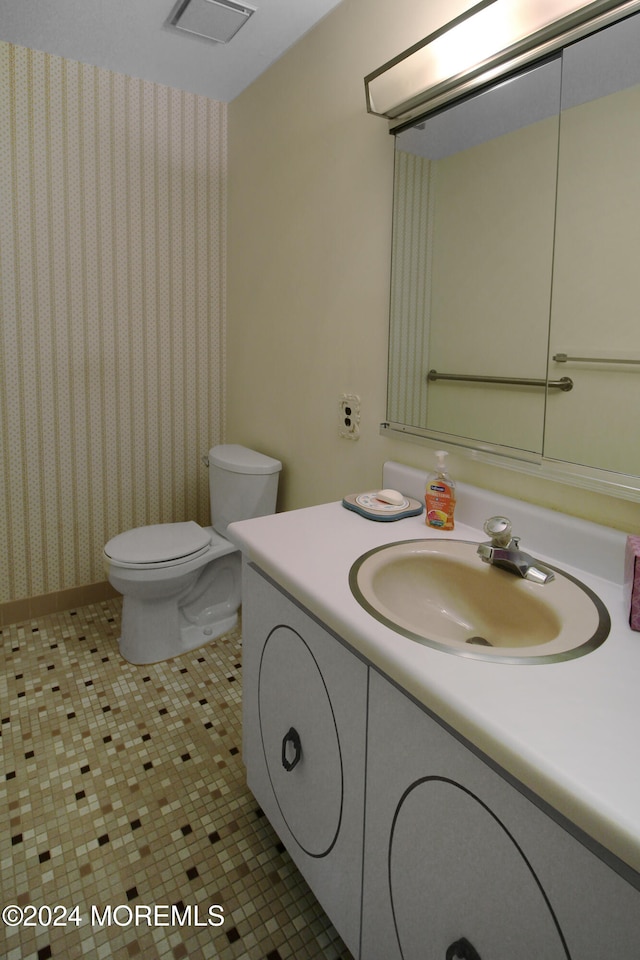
{"x":130,"y":37}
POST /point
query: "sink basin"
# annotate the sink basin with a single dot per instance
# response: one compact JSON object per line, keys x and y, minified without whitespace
{"x":440,"y":593}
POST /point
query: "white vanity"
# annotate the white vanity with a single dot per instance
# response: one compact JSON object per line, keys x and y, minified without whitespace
{"x":443,"y":807}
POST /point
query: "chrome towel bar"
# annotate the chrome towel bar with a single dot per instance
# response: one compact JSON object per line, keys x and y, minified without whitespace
{"x":563,"y":358}
{"x":564,"y":383}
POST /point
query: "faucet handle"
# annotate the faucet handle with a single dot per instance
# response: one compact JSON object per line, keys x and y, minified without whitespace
{"x":499,"y":529}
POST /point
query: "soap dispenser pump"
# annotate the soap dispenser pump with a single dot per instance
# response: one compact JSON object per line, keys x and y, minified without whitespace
{"x":440,"y":495}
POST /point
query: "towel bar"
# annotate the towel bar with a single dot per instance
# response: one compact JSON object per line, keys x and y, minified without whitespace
{"x":564,"y":383}
{"x":563,"y":358}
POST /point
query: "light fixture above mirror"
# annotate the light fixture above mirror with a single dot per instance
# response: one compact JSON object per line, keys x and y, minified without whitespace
{"x":492,"y":38}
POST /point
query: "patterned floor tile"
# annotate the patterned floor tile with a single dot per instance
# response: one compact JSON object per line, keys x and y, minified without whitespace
{"x":124,"y":790}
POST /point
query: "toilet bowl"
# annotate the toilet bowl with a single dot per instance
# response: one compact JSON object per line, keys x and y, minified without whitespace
{"x":180,"y":581}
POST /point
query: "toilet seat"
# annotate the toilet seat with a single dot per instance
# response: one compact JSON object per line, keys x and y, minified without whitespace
{"x":159,"y":544}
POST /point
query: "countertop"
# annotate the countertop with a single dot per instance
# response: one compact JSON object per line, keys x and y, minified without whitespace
{"x":568,"y":731}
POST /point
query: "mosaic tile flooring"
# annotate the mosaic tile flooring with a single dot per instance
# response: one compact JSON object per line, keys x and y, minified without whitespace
{"x":124,"y":787}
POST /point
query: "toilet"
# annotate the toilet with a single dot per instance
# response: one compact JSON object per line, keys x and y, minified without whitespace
{"x":181,"y":581}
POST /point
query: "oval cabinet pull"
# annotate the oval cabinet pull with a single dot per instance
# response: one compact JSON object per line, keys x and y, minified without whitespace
{"x":462,"y":950}
{"x":291,"y":739}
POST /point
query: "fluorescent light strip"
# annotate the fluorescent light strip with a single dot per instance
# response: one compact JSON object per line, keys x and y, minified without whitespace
{"x":490,"y":38}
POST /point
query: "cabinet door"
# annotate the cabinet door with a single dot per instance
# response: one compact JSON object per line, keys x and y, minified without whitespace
{"x":455,"y":854}
{"x":454,"y":870}
{"x":304,"y":729}
{"x":300,"y":741}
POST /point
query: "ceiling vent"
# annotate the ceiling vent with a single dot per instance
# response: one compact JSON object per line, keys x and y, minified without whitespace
{"x":217,"y":20}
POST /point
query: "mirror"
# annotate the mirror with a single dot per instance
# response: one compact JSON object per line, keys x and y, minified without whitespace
{"x":516,"y":231}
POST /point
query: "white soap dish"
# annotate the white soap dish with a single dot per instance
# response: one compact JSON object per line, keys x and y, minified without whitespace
{"x":368,"y":505}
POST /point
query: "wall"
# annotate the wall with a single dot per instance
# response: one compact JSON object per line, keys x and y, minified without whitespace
{"x":309,"y":256}
{"x":112,"y":297}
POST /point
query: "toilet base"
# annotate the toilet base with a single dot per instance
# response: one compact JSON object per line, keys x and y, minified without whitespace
{"x":166,"y":618}
{"x":191,"y":636}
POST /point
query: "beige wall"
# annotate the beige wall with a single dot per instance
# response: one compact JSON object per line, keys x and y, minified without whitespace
{"x":111,"y":297}
{"x":309,"y":251}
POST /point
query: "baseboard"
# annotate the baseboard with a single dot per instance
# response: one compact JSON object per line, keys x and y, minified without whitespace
{"x":15,"y":611}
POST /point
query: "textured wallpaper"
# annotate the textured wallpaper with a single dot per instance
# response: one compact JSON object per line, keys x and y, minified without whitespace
{"x":112,"y":247}
{"x":410,"y":291}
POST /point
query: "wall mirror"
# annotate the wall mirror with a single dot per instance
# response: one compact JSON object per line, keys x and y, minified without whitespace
{"x":515,"y":291}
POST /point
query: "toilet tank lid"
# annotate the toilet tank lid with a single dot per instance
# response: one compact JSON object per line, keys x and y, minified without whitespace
{"x":239,"y":459}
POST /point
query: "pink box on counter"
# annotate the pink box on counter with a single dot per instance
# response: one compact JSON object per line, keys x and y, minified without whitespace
{"x":632,"y":580}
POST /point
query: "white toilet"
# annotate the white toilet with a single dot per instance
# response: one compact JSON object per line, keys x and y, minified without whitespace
{"x":181,"y":581}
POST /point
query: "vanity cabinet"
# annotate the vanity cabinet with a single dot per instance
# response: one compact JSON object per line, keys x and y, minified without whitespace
{"x":455,"y":857}
{"x":453,"y":851}
{"x":304,"y":744}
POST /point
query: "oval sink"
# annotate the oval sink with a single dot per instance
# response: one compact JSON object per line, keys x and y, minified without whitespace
{"x":440,"y":593}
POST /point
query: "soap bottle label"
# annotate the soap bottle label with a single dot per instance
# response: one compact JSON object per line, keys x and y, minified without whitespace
{"x":440,"y":505}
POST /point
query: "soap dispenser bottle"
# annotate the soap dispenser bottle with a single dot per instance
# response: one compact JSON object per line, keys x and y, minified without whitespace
{"x":440,"y":495}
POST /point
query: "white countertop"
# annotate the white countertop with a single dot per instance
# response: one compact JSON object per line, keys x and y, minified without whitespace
{"x":569,"y":731}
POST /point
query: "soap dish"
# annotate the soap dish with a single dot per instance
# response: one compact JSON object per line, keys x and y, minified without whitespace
{"x":369,"y":506}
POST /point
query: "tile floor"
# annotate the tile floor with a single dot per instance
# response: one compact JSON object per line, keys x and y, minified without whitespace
{"x":123,"y":786}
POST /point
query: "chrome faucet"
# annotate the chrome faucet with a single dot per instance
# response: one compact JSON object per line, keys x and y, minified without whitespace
{"x":503,"y":550}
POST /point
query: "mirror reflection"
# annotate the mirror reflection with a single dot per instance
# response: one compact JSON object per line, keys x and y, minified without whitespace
{"x":516,"y":231}
{"x":596,"y":281}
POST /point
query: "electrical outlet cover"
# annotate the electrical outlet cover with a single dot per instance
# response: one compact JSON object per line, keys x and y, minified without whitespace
{"x":349,"y":416}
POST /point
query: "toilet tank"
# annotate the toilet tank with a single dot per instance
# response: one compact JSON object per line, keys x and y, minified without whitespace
{"x":242,"y":484}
